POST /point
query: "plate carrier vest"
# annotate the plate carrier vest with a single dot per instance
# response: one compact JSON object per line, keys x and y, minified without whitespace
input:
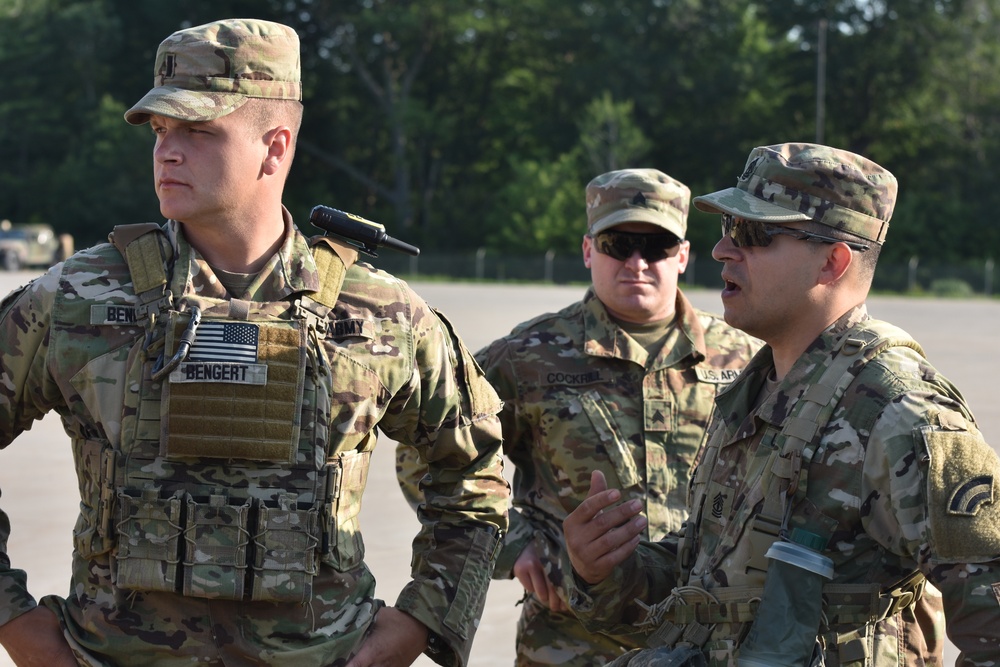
{"x":224,"y":489}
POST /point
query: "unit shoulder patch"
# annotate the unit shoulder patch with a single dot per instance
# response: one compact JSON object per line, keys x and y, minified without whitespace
{"x":963,"y":484}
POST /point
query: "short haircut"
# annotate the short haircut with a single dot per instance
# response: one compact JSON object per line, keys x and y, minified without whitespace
{"x":866,"y":259}
{"x":265,"y":114}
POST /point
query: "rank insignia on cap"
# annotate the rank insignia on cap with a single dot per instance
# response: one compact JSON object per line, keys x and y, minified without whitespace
{"x":971,"y":495}
{"x":750,"y":168}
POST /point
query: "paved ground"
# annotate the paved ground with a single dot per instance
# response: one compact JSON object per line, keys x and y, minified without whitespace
{"x":38,"y":483}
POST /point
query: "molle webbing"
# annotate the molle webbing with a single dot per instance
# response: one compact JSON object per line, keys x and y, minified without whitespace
{"x":258,"y":420}
{"x":784,"y":483}
{"x":856,"y":607}
{"x":148,"y":254}
{"x":333,"y":258}
{"x":163,"y":504}
{"x":850,"y":606}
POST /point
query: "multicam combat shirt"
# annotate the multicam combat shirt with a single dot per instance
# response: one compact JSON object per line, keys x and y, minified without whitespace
{"x":901,"y":481}
{"x":388,"y":361}
{"x":580,"y":395}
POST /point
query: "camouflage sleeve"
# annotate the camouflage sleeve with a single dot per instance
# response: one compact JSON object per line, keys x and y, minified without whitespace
{"x":410,"y":470}
{"x":932,"y":486}
{"x":448,"y":412}
{"x":624,"y":604}
{"x":496,"y":363}
{"x":26,"y":394}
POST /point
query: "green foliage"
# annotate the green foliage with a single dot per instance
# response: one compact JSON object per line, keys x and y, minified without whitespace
{"x":609,"y":135}
{"x":951,"y":288}
{"x":541,"y":208}
{"x":459,"y":123}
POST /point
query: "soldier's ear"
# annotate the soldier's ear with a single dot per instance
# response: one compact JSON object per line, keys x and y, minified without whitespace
{"x":838,"y":260}
{"x":588,"y":249}
{"x":279,"y":148}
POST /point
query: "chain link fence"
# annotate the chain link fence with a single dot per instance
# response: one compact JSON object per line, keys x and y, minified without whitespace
{"x":975,"y":277}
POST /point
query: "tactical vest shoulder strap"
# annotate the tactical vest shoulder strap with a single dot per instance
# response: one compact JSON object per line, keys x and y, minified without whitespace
{"x":148,"y":254}
{"x":783,"y":483}
{"x":333,"y":259}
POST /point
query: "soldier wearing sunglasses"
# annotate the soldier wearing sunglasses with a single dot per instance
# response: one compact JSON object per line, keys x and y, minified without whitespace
{"x":839,"y":443}
{"x":622,"y":381}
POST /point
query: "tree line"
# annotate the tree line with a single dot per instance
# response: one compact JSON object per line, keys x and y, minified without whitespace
{"x":462,"y":124}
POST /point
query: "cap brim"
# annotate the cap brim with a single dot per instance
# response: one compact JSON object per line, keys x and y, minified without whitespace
{"x":744,"y":205}
{"x":183,"y":104}
{"x":625,"y":216}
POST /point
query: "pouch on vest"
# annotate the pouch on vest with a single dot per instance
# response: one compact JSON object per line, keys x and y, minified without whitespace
{"x":347,"y":477}
{"x":149,"y":542}
{"x":286,"y":543}
{"x":784,"y":634}
{"x":216,"y":537}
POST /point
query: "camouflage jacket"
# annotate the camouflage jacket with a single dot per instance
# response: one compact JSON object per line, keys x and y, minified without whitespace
{"x":385,"y":361}
{"x":580,"y":395}
{"x":900,"y":481}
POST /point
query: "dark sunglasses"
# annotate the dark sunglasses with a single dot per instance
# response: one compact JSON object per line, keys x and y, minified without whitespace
{"x":621,"y":245}
{"x":753,"y":233}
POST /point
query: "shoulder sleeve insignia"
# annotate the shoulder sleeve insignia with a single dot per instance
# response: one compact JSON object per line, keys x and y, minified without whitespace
{"x":968,"y":497}
{"x":962,"y":486}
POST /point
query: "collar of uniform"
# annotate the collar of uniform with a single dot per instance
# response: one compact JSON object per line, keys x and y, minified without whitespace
{"x":289,"y":271}
{"x":690,"y":342}
{"x":604,"y":338}
{"x":737,"y":400}
{"x":735,"y":403}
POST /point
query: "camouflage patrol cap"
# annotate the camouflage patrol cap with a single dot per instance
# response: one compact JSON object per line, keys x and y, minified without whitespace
{"x":637,"y":195}
{"x":208,"y":71}
{"x":801,"y":182}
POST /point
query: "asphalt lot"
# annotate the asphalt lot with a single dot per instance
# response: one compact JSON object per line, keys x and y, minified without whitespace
{"x":39,"y":486}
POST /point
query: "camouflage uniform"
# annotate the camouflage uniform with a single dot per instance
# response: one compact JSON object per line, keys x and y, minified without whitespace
{"x":884,"y":464}
{"x":877,"y":492}
{"x":580,"y":394}
{"x":264,"y":563}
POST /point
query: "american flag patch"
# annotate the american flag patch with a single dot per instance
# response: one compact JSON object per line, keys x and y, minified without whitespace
{"x":233,"y":342}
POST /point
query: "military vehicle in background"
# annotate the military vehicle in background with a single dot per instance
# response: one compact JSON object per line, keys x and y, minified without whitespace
{"x":31,"y":245}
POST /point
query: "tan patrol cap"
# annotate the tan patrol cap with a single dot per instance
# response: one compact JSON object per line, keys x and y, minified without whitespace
{"x":637,"y":195}
{"x":208,"y":71}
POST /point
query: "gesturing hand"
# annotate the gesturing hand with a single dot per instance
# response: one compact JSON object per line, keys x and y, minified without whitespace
{"x":599,"y":534}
